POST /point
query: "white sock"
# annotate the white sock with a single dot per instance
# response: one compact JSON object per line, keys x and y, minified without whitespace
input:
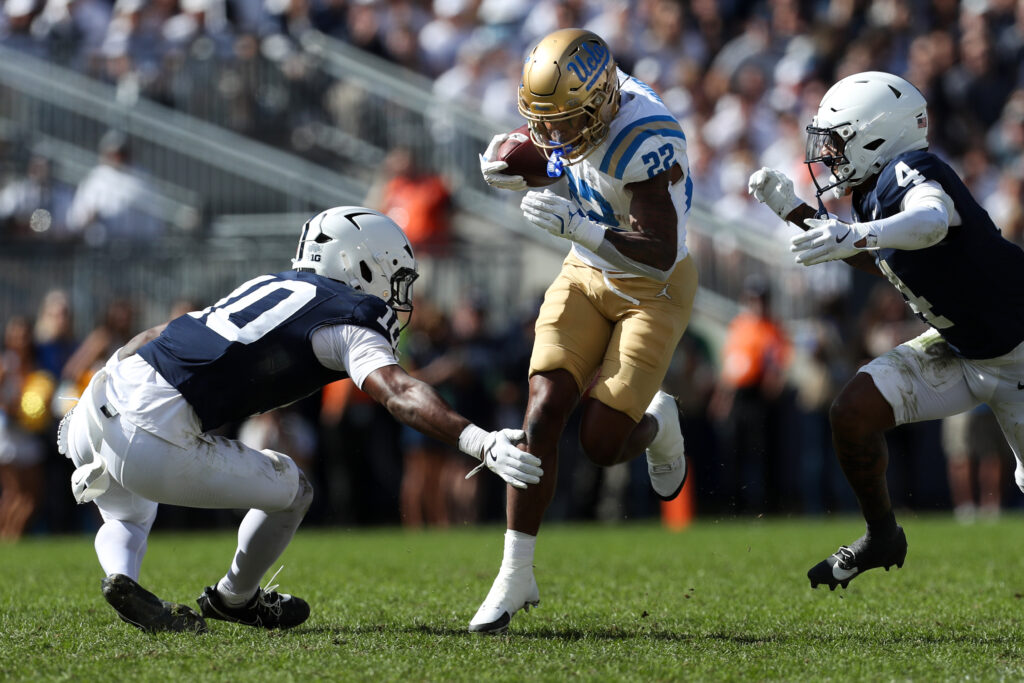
{"x":519,"y":549}
{"x":658,"y":431}
{"x":120,"y":547}
{"x":262,"y":537}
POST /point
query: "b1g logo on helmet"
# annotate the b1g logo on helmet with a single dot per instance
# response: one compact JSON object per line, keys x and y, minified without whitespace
{"x":589,"y":62}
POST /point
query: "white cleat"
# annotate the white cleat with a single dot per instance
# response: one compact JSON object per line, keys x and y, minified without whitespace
{"x":511,"y":592}
{"x":666,"y":458}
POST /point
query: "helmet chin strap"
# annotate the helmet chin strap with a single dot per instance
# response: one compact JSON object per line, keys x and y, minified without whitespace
{"x":822,"y":212}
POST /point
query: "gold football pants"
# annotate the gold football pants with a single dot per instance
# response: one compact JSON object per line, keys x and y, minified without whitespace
{"x":623,"y":331}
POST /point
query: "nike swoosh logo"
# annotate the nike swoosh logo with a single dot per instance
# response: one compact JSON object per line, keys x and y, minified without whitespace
{"x":839,"y":240}
{"x":494,"y":458}
{"x":841,"y":574}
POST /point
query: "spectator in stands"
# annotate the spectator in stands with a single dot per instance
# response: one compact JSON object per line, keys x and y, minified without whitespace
{"x":25,"y":421}
{"x":1006,"y":204}
{"x":977,"y":459}
{"x":35,"y":205}
{"x":415,"y":198}
{"x":424,"y":496}
{"x":475,"y":368}
{"x":16,"y":27}
{"x":113,"y":202}
{"x":747,"y":401}
{"x":821,"y":365}
{"x":54,"y":336}
{"x":442,"y":37}
{"x":113,"y":332}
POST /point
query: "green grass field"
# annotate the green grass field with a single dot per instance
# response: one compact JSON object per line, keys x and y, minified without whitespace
{"x":720,"y":601}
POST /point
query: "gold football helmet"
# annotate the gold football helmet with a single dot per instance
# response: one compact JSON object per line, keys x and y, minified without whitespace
{"x":569,"y":93}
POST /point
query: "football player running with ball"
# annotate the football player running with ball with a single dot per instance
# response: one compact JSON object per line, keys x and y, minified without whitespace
{"x":916,"y":223}
{"x":140,"y":435}
{"x":611,"y":320}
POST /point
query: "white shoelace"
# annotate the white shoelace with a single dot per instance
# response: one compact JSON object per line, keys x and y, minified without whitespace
{"x":273,"y":605}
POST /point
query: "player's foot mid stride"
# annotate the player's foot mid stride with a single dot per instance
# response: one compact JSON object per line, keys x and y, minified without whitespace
{"x":512,"y":591}
{"x":666,"y":458}
{"x":853,"y":560}
{"x":140,"y":608}
{"x":267,"y":609}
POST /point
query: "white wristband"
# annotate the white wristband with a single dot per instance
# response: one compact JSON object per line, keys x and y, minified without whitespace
{"x":471,"y":441}
{"x":589,"y":235}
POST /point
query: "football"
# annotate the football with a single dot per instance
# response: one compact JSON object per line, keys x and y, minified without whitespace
{"x":524,"y":159}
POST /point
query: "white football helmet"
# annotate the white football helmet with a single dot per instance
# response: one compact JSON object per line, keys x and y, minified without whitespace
{"x":865,"y":120}
{"x":362,"y":248}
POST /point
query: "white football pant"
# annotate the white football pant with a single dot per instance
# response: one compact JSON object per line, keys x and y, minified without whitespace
{"x":923,"y":379}
{"x":215,"y":473}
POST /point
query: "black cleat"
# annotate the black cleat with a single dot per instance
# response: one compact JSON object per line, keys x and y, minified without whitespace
{"x":267,"y":609}
{"x":855,"y":559}
{"x":140,"y":608}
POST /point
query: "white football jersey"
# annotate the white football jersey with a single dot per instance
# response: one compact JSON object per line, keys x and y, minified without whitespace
{"x":644,"y":139}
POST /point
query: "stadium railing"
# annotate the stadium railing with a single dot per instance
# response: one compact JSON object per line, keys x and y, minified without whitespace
{"x":220,"y":172}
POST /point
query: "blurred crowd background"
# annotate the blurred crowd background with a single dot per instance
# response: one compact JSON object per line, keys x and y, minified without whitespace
{"x":771,"y":344}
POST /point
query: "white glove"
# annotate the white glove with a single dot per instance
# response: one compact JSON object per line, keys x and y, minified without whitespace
{"x":497,"y":452}
{"x":829,"y":239}
{"x":558,"y":216}
{"x":773,"y":189}
{"x":492,"y":170}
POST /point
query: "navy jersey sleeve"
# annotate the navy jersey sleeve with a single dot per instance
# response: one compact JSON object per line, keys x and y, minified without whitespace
{"x":969,"y":286}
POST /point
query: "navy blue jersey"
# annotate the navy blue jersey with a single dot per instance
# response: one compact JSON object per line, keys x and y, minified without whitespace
{"x":252,"y":351}
{"x":969,"y":286}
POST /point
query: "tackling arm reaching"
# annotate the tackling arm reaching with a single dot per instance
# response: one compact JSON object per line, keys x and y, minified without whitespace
{"x":775,"y":190}
{"x":416,"y":404}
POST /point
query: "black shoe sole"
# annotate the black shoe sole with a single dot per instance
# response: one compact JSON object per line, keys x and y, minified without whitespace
{"x":821,"y":573}
{"x":494,"y":628}
{"x":137,"y":606}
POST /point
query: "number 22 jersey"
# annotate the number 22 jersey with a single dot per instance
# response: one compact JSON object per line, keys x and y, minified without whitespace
{"x":643,"y":140}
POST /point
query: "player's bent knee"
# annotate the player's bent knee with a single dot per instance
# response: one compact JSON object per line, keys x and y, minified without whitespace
{"x":600,"y":450}
{"x":860,"y":410}
{"x":302,"y":492}
{"x":303,"y":496}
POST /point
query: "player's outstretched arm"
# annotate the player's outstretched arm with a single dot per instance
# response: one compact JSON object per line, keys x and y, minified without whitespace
{"x":774,"y":189}
{"x":416,"y":404}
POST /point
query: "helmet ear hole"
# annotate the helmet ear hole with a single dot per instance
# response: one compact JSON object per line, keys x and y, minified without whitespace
{"x":365,"y":272}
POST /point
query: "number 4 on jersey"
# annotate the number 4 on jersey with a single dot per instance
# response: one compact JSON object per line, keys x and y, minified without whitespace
{"x":918,"y":304}
{"x":906,"y":175}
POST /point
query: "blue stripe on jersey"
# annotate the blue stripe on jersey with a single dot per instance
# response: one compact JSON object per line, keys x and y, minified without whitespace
{"x":613,"y":146}
{"x":620,"y":168}
{"x":689,"y":191}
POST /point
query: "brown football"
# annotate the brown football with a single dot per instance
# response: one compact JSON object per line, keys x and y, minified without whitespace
{"x":524,"y":159}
